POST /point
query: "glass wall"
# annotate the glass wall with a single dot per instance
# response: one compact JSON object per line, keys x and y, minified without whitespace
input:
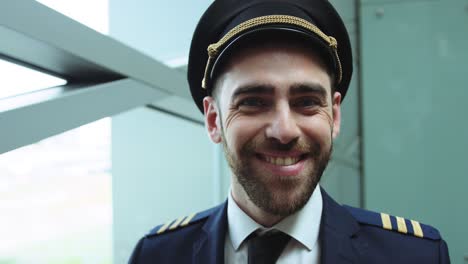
{"x":414,"y":97}
{"x":55,"y":195}
{"x":13,"y":81}
{"x":55,"y":199}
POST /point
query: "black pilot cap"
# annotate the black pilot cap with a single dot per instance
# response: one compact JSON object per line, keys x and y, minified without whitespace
{"x":227,"y":22}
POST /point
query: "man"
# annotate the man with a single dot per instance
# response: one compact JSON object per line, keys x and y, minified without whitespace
{"x":269,"y":77}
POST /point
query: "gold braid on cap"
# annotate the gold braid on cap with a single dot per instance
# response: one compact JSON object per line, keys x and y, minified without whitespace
{"x":215,"y":48}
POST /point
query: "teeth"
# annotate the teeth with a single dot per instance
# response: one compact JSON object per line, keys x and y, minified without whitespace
{"x":282,"y":161}
{"x":279,"y":161}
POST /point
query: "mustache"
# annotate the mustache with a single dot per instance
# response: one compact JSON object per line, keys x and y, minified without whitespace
{"x":272,"y":144}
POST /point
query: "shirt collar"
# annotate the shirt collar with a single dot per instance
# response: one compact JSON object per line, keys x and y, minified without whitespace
{"x":240,"y":224}
{"x":304,"y":225}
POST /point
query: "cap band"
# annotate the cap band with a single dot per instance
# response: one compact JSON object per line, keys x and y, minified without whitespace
{"x":215,"y":48}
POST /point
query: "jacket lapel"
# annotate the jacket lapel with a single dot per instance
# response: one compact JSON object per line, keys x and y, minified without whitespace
{"x":209,"y":248}
{"x":339,"y":238}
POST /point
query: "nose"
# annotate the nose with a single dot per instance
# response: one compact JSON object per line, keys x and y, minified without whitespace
{"x":283,"y":126}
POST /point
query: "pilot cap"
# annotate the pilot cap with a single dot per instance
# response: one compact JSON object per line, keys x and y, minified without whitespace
{"x":227,"y":23}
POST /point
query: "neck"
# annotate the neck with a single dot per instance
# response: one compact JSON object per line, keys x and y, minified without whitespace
{"x":242,"y":200}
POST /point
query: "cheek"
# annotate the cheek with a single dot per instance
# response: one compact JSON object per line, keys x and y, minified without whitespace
{"x":241,"y":130}
{"x":318,"y":128}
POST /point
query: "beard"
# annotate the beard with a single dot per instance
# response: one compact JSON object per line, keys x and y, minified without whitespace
{"x":278,"y":195}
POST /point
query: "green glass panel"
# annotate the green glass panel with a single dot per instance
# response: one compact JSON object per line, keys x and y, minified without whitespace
{"x":414,"y":95}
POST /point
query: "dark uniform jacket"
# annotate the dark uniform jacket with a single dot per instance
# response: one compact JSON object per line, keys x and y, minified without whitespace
{"x":347,"y":235}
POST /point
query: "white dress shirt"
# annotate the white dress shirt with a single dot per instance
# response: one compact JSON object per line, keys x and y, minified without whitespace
{"x":303,"y":227}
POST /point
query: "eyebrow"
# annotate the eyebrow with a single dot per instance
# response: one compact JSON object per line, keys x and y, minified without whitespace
{"x":303,"y":88}
{"x":253,"y":89}
{"x":297,"y":88}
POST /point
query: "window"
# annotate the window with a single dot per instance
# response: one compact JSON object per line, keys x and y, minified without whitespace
{"x":55,"y":199}
{"x":17,"y":80}
{"x":55,"y":195}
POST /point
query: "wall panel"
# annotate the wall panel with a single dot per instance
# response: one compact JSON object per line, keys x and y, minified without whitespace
{"x":414,"y":91}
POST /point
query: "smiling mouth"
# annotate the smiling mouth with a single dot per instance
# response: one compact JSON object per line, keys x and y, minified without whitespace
{"x":281,"y":161}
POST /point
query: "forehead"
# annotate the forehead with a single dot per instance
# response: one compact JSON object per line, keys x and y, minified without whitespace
{"x":277,"y":65}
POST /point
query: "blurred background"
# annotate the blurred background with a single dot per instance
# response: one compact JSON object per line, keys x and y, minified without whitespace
{"x":100,"y":140}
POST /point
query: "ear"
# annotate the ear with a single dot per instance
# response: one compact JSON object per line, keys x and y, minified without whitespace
{"x":336,"y":108}
{"x":212,"y":123}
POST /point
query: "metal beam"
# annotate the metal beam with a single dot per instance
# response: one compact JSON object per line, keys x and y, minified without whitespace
{"x":31,"y":117}
{"x":118,"y":77}
{"x":43,"y":38}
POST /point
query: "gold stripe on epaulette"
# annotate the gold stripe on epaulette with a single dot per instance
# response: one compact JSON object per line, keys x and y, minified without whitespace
{"x":401,"y":225}
{"x":386,"y":223}
{"x":176,"y":223}
{"x":187,"y":220}
{"x":417,"y":228}
{"x":164,"y":227}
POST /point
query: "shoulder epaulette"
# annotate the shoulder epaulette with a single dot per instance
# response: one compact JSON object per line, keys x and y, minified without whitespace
{"x":180,"y":222}
{"x":394,"y":223}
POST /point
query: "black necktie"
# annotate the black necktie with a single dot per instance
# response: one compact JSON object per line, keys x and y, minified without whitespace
{"x":266,"y":248}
